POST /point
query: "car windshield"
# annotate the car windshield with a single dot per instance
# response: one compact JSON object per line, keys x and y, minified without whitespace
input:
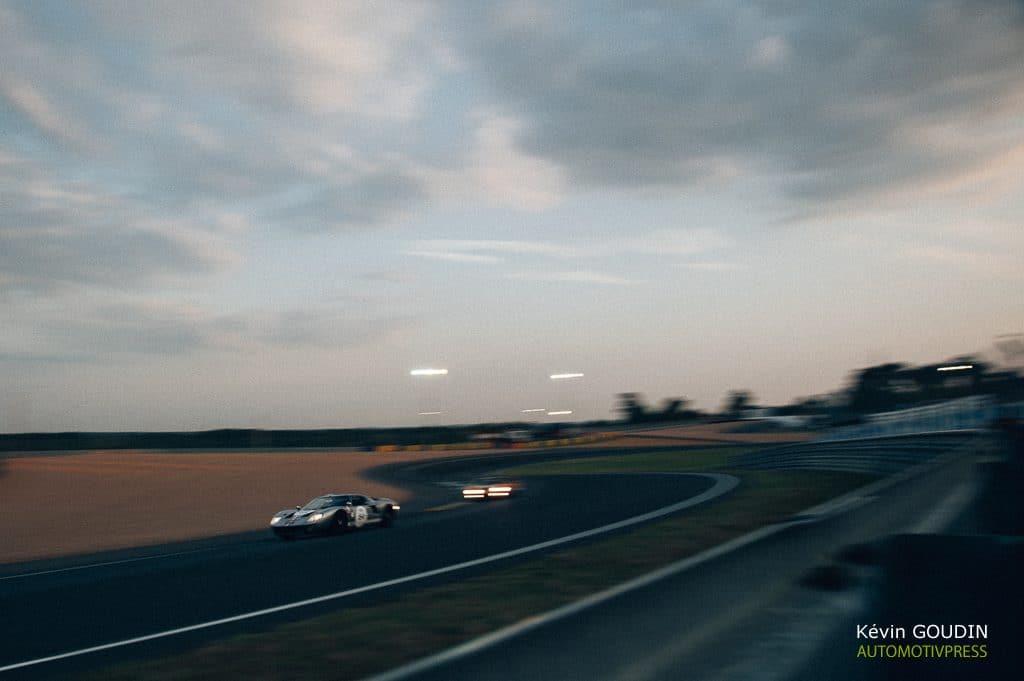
{"x":325,"y":502}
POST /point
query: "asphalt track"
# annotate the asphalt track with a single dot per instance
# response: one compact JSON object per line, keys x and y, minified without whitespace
{"x":59,"y":606}
{"x":745,"y":613}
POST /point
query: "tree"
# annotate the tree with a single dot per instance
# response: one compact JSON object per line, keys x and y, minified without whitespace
{"x":673,"y":408}
{"x":737,"y":402}
{"x":874,"y":388}
{"x":888,"y":387}
{"x":632,"y":407}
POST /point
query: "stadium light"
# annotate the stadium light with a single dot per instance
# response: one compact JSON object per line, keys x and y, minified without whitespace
{"x":956,"y":367}
{"x":532,"y":411}
{"x":557,"y":377}
{"x":428,"y":372}
{"x":560,"y":413}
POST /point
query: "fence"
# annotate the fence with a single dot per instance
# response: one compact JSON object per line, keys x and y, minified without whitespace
{"x":967,"y":413}
{"x":876,"y":455}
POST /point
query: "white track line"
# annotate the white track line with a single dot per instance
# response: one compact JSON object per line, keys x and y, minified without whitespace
{"x":723,"y":484}
{"x":109,"y":562}
{"x":530,"y":623}
{"x":943,"y":515}
{"x":837,"y":506}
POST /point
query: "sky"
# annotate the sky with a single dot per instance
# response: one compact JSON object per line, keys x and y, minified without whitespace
{"x":265,"y":214}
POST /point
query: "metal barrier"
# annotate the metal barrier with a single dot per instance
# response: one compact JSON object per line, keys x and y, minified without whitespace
{"x":967,"y":413}
{"x":881,"y":455}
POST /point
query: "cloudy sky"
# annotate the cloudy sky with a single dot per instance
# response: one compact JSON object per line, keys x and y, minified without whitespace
{"x":250,"y":214}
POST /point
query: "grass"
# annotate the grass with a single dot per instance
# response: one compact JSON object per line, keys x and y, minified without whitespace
{"x":683,"y":460}
{"x":432,"y":619}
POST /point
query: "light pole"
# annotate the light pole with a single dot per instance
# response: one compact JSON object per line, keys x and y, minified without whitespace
{"x":430,"y":409}
{"x":571,"y":376}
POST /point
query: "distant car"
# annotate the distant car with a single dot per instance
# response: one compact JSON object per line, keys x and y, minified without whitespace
{"x":491,"y":488}
{"x":334,"y":513}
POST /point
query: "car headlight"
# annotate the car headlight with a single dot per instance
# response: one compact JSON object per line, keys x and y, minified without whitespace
{"x":315,"y":518}
{"x":276,"y":519}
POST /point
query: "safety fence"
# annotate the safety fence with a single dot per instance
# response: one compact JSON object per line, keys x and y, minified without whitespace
{"x":880,"y":455}
{"x":966,"y":413}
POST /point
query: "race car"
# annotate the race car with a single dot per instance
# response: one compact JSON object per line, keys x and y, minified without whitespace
{"x":490,"y":488}
{"x":334,"y":513}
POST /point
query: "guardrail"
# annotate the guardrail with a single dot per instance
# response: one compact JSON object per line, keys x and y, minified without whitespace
{"x":881,"y":455}
{"x":965,"y":413}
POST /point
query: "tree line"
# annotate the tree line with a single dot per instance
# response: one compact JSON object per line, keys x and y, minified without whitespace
{"x":883,"y":387}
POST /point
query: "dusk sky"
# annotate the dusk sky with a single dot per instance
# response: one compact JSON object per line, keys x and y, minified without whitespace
{"x":255,"y":214}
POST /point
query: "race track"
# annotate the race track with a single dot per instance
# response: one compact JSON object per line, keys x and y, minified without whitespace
{"x":58,"y":607}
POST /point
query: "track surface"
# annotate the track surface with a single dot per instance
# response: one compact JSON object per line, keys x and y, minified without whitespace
{"x":49,"y":609}
{"x":741,"y":615}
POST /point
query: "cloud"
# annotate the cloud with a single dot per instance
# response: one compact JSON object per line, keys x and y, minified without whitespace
{"x":514,"y":247}
{"x":320,"y":57}
{"x":41,"y":112}
{"x":986,"y":263}
{"x":41,"y":260}
{"x":485,"y":163}
{"x":323,"y":328}
{"x":389,"y":276}
{"x":824,"y":96}
{"x":454,"y":256}
{"x":35,"y":81}
{"x":57,"y":235}
{"x":714,"y":266}
{"x":221,"y":104}
{"x":670,"y":242}
{"x":484,"y":251}
{"x":367,"y":200}
{"x":656,"y":242}
{"x":120,"y":330}
{"x":508,"y":174}
{"x":770,"y":52}
{"x":133,"y":329}
{"x":575,"y":276}
{"x":332,"y":115}
{"x":984,"y":179}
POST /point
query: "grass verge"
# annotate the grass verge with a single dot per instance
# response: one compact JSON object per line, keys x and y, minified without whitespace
{"x":432,"y":619}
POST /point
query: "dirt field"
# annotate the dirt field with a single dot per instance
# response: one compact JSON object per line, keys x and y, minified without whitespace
{"x":62,"y":505}
{"x":93,"y":501}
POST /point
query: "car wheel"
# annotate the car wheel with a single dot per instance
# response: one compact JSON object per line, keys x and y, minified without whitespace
{"x":388,"y":520}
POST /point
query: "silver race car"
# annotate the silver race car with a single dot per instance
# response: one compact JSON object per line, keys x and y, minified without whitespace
{"x":334,"y":513}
